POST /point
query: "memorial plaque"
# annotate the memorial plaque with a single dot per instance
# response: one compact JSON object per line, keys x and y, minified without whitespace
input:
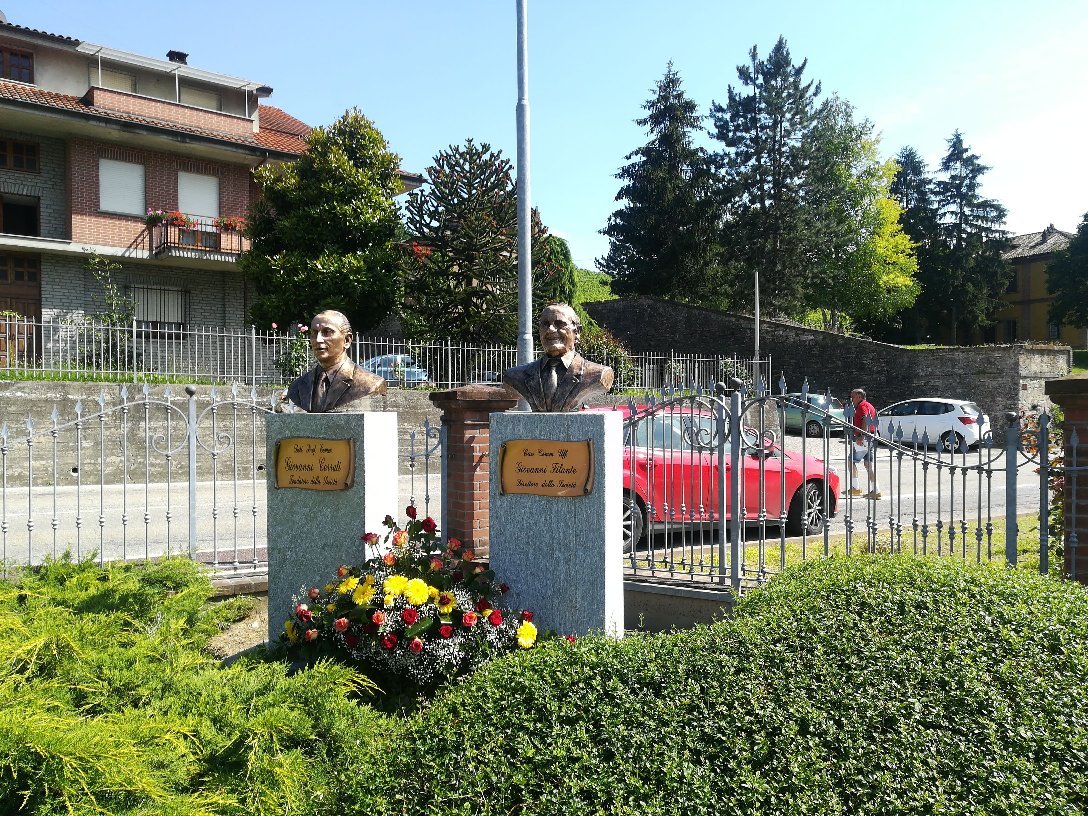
{"x":315,"y":464}
{"x":542,"y":467}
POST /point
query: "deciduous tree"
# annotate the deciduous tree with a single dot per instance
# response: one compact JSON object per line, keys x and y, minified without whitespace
{"x":1067,"y":280}
{"x":324,"y":229}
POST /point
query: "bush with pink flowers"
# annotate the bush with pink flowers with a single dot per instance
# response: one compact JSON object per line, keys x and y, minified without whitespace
{"x":417,"y":611}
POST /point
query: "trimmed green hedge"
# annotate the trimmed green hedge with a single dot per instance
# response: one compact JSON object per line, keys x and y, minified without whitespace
{"x":849,"y":686}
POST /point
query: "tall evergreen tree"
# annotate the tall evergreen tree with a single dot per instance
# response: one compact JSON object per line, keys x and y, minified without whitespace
{"x":973,"y":239}
{"x":461,"y":273}
{"x":1067,"y":280}
{"x":325,"y":227}
{"x":765,"y":128}
{"x":663,"y":238}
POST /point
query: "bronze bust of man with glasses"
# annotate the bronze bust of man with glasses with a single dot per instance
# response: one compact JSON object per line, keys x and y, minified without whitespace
{"x":335,"y":384}
{"x":562,"y":379}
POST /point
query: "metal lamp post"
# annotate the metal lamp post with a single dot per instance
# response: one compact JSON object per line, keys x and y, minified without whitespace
{"x":525,"y":266}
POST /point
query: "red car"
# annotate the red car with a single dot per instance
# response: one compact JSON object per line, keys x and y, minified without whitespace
{"x":671,"y":471}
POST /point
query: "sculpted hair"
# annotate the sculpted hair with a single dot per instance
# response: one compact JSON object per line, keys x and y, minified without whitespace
{"x":340,"y":318}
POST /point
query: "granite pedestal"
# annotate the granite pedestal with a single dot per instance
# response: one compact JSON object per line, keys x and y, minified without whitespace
{"x":312,"y":532}
{"x":562,"y":555}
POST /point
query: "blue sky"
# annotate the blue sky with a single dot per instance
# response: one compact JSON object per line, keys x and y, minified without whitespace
{"x":431,"y":73}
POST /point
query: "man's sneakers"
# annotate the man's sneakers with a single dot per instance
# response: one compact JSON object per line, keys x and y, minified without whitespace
{"x":857,"y":494}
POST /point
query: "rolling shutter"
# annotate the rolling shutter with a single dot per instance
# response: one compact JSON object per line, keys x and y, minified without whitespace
{"x":121,"y":187}
{"x":198,"y":195}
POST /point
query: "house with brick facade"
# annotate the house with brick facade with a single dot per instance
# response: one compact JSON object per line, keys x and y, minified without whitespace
{"x":91,"y":140}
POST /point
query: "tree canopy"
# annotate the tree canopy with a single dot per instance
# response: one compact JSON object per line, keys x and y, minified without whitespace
{"x":663,"y":240}
{"x":461,"y":270}
{"x":325,"y":227}
{"x":1067,"y":280}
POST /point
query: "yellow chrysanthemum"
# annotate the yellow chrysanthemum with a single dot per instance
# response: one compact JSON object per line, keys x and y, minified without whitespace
{"x":434,"y":593}
{"x":330,"y":607}
{"x":417,"y":591}
{"x":330,"y":587}
{"x":368,"y":580}
{"x":363,"y":593}
{"x":526,"y":635}
{"x":445,"y":602}
{"x":388,"y":601}
{"x":394,"y":584}
{"x":348,"y":585}
{"x":292,"y":633}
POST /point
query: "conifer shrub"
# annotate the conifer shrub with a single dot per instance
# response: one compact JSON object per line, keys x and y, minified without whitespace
{"x":867,"y":685}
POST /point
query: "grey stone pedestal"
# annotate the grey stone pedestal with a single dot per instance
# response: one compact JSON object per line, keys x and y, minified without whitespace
{"x":312,"y":532}
{"x":562,"y":556}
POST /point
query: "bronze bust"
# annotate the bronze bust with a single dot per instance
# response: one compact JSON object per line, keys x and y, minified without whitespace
{"x":335,"y":384}
{"x":562,"y":379}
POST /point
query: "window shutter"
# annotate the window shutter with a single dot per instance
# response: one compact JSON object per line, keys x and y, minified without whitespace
{"x":198,"y":195}
{"x":120,"y":187}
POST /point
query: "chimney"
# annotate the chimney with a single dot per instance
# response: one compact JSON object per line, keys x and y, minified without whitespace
{"x":180,"y":57}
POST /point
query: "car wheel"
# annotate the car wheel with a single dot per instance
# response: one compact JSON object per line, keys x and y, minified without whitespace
{"x":814,"y":428}
{"x":951,"y":442}
{"x":634,"y":522}
{"x":807,"y":512}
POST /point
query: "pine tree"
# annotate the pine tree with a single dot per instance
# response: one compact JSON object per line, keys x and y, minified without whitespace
{"x":970,"y":228}
{"x":765,"y":128}
{"x":461,"y":273}
{"x":324,"y":230}
{"x":663,"y":238}
{"x":1067,"y":279}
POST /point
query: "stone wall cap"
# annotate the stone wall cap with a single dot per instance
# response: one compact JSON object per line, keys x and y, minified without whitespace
{"x":1075,"y":384}
{"x":475,"y":392}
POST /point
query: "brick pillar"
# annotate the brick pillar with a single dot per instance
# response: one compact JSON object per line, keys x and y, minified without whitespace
{"x":466,"y":413}
{"x":1071,"y":395}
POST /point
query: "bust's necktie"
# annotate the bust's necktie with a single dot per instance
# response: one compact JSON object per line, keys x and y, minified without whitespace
{"x":322,"y":391}
{"x":551,"y":378}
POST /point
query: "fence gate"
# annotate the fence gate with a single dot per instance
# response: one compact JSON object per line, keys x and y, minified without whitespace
{"x":688,"y":516}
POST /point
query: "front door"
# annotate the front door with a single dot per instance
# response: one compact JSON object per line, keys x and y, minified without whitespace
{"x":21,"y":294}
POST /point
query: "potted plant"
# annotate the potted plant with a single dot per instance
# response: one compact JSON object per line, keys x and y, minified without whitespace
{"x":229,"y":223}
{"x":154,"y":217}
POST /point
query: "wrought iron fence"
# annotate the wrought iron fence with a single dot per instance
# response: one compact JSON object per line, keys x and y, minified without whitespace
{"x":78,"y":347}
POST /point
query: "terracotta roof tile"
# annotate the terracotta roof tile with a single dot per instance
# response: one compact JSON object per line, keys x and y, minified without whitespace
{"x":1031,"y":244}
{"x":272,"y":118}
{"x":45,"y":34}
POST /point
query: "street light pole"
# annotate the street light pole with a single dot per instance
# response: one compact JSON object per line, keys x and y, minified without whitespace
{"x":756,"y":367}
{"x":525,"y":246}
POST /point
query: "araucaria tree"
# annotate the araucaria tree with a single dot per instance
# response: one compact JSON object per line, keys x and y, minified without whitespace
{"x":461,"y":269}
{"x":324,"y":230}
{"x":663,"y":240}
{"x":1067,"y":280}
{"x":765,"y":128}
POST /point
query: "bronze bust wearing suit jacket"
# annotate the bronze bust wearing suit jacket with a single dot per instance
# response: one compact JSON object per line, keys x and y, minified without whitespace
{"x":562,"y":379}
{"x":330,"y":335}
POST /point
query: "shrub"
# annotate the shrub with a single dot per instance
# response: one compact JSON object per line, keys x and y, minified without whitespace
{"x":891,"y":685}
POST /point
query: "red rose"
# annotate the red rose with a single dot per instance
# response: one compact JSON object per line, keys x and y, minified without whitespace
{"x":483,"y":604}
{"x":351,"y":640}
{"x":389,"y":641}
{"x":315,"y":593}
{"x":389,"y":559}
{"x":436,"y":563}
{"x":428,"y":525}
{"x":454,"y":544}
{"x":526,"y":615}
{"x":342,"y":572}
{"x":495,"y":618}
{"x":378,"y":618}
{"x":341,"y":625}
{"x":416,"y":645}
{"x":468,"y":555}
{"x":410,"y":511}
{"x":468,"y":619}
{"x":371,"y":538}
{"x":303,"y":612}
{"x":409,"y":616}
{"x":445,"y":630}
{"x":311,"y":634}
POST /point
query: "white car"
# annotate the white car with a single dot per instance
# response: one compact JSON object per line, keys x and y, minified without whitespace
{"x":948,"y":423}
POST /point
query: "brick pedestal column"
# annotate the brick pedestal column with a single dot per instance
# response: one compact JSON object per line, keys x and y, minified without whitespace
{"x":1071,"y":395}
{"x":466,"y":413}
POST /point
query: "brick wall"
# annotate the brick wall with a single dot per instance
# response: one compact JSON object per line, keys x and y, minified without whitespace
{"x":160,"y":190}
{"x":998,"y":378}
{"x":169,"y":111}
{"x":48,"y":185}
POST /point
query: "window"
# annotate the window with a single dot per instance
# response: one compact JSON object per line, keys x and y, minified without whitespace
{"x":1053,"y":331}
{"x":160,"y":307}
{"x":198,"y":195}
{"x":19,"y":269}
{"x":114,"y":80}
{"x":1010,"y":331}
{"x":121,"y":187}
{"x":198,"y":98}
{"x":18,"y":156}
{"x":19,"y":215}
{"x":17,"y":65}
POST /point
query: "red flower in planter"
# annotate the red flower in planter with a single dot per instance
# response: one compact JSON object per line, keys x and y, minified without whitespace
{"x":428,"y":525}
{"x":495,"y":618}
{"x":410,"y":511}
{"x":389,"y":641}
{"x":445,"y":630}
{"x":416,"y":646}
{"x":409,"y":616}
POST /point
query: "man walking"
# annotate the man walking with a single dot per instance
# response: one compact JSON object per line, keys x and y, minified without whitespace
{"x":863,"y":448}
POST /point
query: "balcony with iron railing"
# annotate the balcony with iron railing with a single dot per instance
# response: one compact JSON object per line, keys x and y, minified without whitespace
{"x":200,"y":238}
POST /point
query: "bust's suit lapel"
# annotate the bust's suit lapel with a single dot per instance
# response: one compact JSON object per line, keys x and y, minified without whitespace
{"x":570,"y":380}
{"x":343,"y":382}
{"x":305,"y":392}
